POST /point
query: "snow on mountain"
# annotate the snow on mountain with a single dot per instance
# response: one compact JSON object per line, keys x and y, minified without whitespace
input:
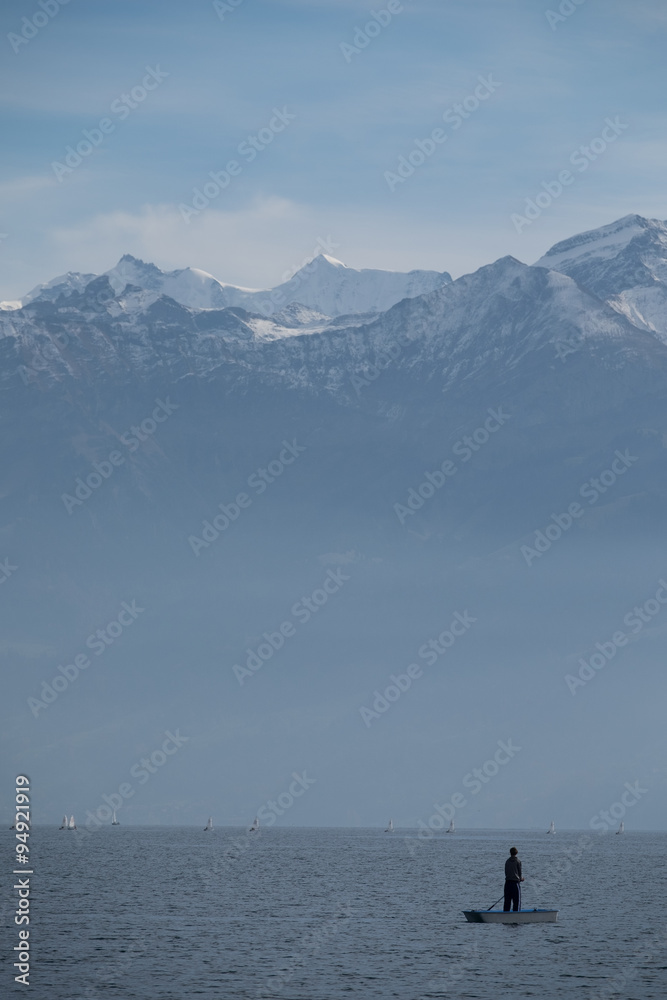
{"x":484,"y":325}
{"x":49,"y":291}
{"x":138,"y":319}
{"x":624,"y":263}
{"x":324,"y":284}
{"x":190,"y":286}
{"x":329,"y":286}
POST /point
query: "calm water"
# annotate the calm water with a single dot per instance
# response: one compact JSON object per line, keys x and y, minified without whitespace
{"x":322,"y":914}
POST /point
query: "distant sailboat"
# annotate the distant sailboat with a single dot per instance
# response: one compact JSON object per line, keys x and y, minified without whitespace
{"x":71,"y":825}
{"x":254,"y":826}
{"x":390,"y":826}
{"x":452,"y":828}
{"x":209,"y":825}
{"x":64,"y":826}
{"x":114,"y":821}
{"x":552,"y":827}
{"x":621,"y":828}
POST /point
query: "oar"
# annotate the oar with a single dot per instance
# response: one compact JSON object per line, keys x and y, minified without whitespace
{"x":493,"y":904}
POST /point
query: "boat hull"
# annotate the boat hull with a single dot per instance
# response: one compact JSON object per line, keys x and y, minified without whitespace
{"x":511,"y":917}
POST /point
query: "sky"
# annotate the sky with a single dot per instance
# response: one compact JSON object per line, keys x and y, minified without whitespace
{"x":240,"y":137}
{"x":331,"y":105}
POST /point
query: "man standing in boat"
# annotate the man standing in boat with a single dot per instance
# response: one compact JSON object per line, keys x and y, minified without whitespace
{"x":513,"y":880}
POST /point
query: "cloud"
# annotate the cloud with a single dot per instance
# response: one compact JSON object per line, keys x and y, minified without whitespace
{"x":25,"y":187}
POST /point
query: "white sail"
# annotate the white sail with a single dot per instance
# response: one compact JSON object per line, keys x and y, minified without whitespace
{"x":209,"y":825}
{"x":452,"y":828}
{"x":71,"y":825}
{"x":621,"y":828}
{"x":64,"y":823}
{"x":552,"y":827}
{"x":390,"y":826}
{"x":254,"y":825}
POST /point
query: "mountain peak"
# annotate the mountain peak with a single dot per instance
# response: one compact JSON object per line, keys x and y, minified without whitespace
{"x":623,"y":263}
{"x":604,"y":243}
{"x":128,"y":258}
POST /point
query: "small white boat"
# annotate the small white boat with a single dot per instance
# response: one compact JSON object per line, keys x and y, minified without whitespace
{"x":114,"y":821}
{"x":254,"y":826}
{"x":209,"y":825}
{"x":71,"y":825}
{"x":552,"y":827}
{"x":511,"y":917}
{"x":390,"y":826}
{"x":452,"y":828}
{"x":64,"y":824}
{"x":621,"y":828}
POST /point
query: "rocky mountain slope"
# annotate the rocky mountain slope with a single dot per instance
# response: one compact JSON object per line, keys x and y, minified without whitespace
{"x":214,"y":463}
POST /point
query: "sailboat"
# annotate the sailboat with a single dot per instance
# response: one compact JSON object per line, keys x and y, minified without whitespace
{"x":552,"y":827}
{"x":254,"y":826}
{"x":71,"y":825}
{"x":390,"y":826}
{"x":209,"y":825}
{"x":114,"y":821}
{"x":64,"y":824}
{"x":452,"y":828}
{"x":621,"y":828}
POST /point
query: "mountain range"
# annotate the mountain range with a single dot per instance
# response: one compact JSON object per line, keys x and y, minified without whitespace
{"x":214,"y":451}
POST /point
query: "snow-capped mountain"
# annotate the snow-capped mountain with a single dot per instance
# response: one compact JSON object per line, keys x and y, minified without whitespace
{"x":493,"y":447}
{"x":421,"y":451}
{"x":324,"y":284}
{"x":624,"y":263}
{"x":503,"y":316}
{"x":328,"y":285}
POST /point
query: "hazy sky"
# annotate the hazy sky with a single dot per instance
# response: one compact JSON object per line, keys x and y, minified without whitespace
{"x":219,"y":71}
